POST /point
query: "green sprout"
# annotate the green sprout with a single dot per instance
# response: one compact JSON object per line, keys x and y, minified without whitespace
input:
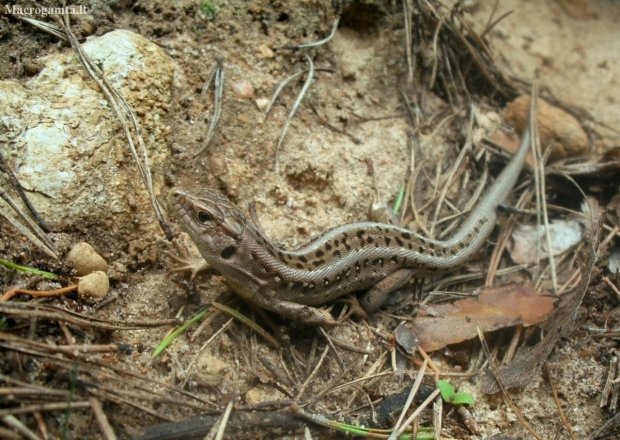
{"x":209,"y":9}
{"x":451,"y":396}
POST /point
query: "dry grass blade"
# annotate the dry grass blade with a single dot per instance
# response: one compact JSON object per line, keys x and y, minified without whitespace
{"x":498,"y":377}
{"x":408,"y":43}
{"x":4,"y":166}
{"x":309,"y":379}
{"x":126,"y":116}
{"x":269,"y":423}
{"x":248,"y":322}
{"x":505,"y":235}
{"x":102,"y":419}
{"x":323,"y":41}
{"x":302,"y":93}
{"x":33,"y":238}
{"x":18,"y":426}
{"x":43,"y":407}
{"x":416,"y":413}
{"x":558,"y":404}
{"x":36,"y":228}
{"x":454,"y":172}
{"x":49,"y":28}
{"x":204,"y":346}
{"x":218,"y":99}
{"x":539,"y":179}
{"x":40,"y":311}
{"x":224,"y":421}
{"x":286,"y":82}
{"x":412,"y":393}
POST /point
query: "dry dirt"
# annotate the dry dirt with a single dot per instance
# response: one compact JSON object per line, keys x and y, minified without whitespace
{"x":323,"y":180}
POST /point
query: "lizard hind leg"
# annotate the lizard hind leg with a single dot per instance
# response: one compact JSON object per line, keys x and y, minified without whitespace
{"x":376,"y":296}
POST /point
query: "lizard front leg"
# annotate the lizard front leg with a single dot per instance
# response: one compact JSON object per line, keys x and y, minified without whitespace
{"x":375,"y":297}
{"x":303,"y":314}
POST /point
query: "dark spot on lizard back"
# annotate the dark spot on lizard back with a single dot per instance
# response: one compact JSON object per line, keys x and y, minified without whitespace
{"x":328,"y":247}
{"x":317,"y":263}
{"x":406,"y":235}
{"x":319,"y":253}
{"x":303,"y":259}
{"x":337,"y":253}
{"x":360,"y":233}
{"x":388,"y":240}
{"x":399,"y":241}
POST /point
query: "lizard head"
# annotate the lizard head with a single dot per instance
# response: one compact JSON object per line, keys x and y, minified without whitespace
{"x":212,"y":221}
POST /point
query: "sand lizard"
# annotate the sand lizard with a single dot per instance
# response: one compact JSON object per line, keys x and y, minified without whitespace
{"x":369,"y":256}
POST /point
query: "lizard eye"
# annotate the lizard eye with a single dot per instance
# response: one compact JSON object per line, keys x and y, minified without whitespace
{"x":203,"y":217}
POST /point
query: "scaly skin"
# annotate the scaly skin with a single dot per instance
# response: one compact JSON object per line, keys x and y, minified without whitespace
{"x":369,"y":256}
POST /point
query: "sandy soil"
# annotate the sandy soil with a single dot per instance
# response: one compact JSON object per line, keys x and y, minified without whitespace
{"x":323,"y":180}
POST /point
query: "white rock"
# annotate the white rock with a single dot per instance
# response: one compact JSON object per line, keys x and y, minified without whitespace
{"x":525,"y":239}
{"x":262,"y":103}
{"x":65,"y":143}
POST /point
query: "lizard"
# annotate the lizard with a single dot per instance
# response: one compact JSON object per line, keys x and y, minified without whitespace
{"x":376,"y":257}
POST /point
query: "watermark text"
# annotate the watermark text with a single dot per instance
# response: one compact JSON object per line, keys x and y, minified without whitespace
{"x":44,"y":11}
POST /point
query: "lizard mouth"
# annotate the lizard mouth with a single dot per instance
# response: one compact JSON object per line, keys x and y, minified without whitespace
{"x":178,"y":201}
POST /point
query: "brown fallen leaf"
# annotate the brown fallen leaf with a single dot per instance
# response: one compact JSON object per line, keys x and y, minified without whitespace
{"x":494,"y":308}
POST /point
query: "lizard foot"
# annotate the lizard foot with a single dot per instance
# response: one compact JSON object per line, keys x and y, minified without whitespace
{"x":355,"y":308}
{"x":193,"y":265}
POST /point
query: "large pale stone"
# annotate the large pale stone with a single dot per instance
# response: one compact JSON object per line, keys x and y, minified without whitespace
{"x":66,"y":145}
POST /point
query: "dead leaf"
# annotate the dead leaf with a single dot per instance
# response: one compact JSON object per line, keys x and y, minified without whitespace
{"x":495,"y":308}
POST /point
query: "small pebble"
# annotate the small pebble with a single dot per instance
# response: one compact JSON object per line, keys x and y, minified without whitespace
{"x":95,"y":285}
{"x":217,"y":164}
{"x":265,"y":51}
{"x":558,"y":129}
{"x":210,"y":370}
{"x":85,"y":260}
{"x":243,"y":89}
{"x":262,"y":103}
